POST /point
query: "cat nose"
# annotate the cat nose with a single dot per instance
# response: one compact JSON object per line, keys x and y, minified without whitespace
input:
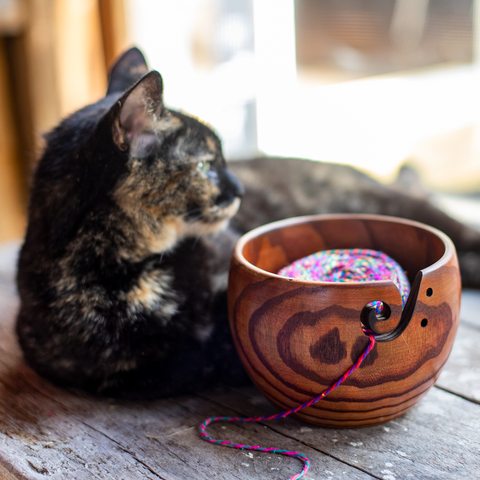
{"x":231,"y":189}
{"x":233,"y":184}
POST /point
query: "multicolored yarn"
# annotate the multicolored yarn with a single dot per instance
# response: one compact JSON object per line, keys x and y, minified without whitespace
{"x":350,"y":265}
{"x":327,"y":266}
{"x":310,"y":402}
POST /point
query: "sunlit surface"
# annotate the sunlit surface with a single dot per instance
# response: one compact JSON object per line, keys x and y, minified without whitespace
{"x":233,"y":64}
{"x":374,"y":123}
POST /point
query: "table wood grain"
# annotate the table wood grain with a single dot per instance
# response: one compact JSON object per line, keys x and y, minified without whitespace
{"x":49,"y":432}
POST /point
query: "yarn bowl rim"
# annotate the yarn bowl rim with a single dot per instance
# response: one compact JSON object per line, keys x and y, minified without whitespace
{"x":244,"y":239}
{"x":265,"y":310}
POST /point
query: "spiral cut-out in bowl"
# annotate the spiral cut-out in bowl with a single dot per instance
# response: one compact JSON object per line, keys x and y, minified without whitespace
{"x":295,"y":338}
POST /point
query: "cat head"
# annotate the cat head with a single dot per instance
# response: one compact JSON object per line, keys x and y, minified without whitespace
{"x":177,"y":175}
{"x":163,"y":170}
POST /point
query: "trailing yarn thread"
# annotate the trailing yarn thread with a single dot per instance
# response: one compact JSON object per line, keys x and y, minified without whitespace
{"x":330,"y":266}
{"x":288,"y":453}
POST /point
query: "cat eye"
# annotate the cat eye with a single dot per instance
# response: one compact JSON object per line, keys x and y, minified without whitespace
{"x":204,"y":166}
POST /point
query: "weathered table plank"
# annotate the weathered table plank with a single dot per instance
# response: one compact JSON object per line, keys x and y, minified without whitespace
{"x":48,"y":432}
{"x":470,"y":309}
{"x":8,"y":262}
{"x":438,"y":438}
{"x":45,"y":430}
{"x":461,"y":374}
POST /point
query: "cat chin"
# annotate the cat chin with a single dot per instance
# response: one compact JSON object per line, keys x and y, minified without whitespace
{"x":172,"y":229}
{"x":217,"y":218}
{"x":222,"y":214}
{"x":214,"y":219}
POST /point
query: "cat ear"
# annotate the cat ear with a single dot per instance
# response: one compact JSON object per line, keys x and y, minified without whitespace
{"x":136,"y":113}
{"x":126,"y":71}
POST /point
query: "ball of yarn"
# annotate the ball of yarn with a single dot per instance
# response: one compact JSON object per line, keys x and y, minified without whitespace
{"x":349,"y":265}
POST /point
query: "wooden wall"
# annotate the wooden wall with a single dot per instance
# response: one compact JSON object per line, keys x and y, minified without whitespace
{"x":12,"y":196}
{"x":53,"y":60}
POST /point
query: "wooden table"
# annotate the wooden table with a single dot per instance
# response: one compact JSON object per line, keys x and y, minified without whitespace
{"x":47,"y":432}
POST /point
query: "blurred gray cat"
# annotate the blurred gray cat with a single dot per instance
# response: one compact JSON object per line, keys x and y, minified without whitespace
{"x":123,"y":272}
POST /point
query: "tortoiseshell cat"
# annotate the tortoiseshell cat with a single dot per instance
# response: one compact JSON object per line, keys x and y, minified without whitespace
{"x":123,"y":272}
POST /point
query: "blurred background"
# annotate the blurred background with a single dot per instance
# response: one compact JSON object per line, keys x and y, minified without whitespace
{"x":388,"y":86}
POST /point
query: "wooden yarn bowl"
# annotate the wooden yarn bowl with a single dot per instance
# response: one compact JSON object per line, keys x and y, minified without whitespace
{"x":296,"y":338}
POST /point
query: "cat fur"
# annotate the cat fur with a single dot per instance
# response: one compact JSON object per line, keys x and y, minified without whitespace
{"x":123,"y":272}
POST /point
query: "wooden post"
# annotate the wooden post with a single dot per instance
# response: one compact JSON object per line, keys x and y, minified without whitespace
{"x":64,"y":57}
{"x":12,"y":205}
{"x":114,"y":28}
{"x":53,"y":63}
{"x":79,"y":58}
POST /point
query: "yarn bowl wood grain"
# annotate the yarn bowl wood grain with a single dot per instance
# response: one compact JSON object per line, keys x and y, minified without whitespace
{"x":296,"y":338}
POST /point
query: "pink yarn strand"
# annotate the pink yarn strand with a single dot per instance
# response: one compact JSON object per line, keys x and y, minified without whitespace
{"x":284,"y":414}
